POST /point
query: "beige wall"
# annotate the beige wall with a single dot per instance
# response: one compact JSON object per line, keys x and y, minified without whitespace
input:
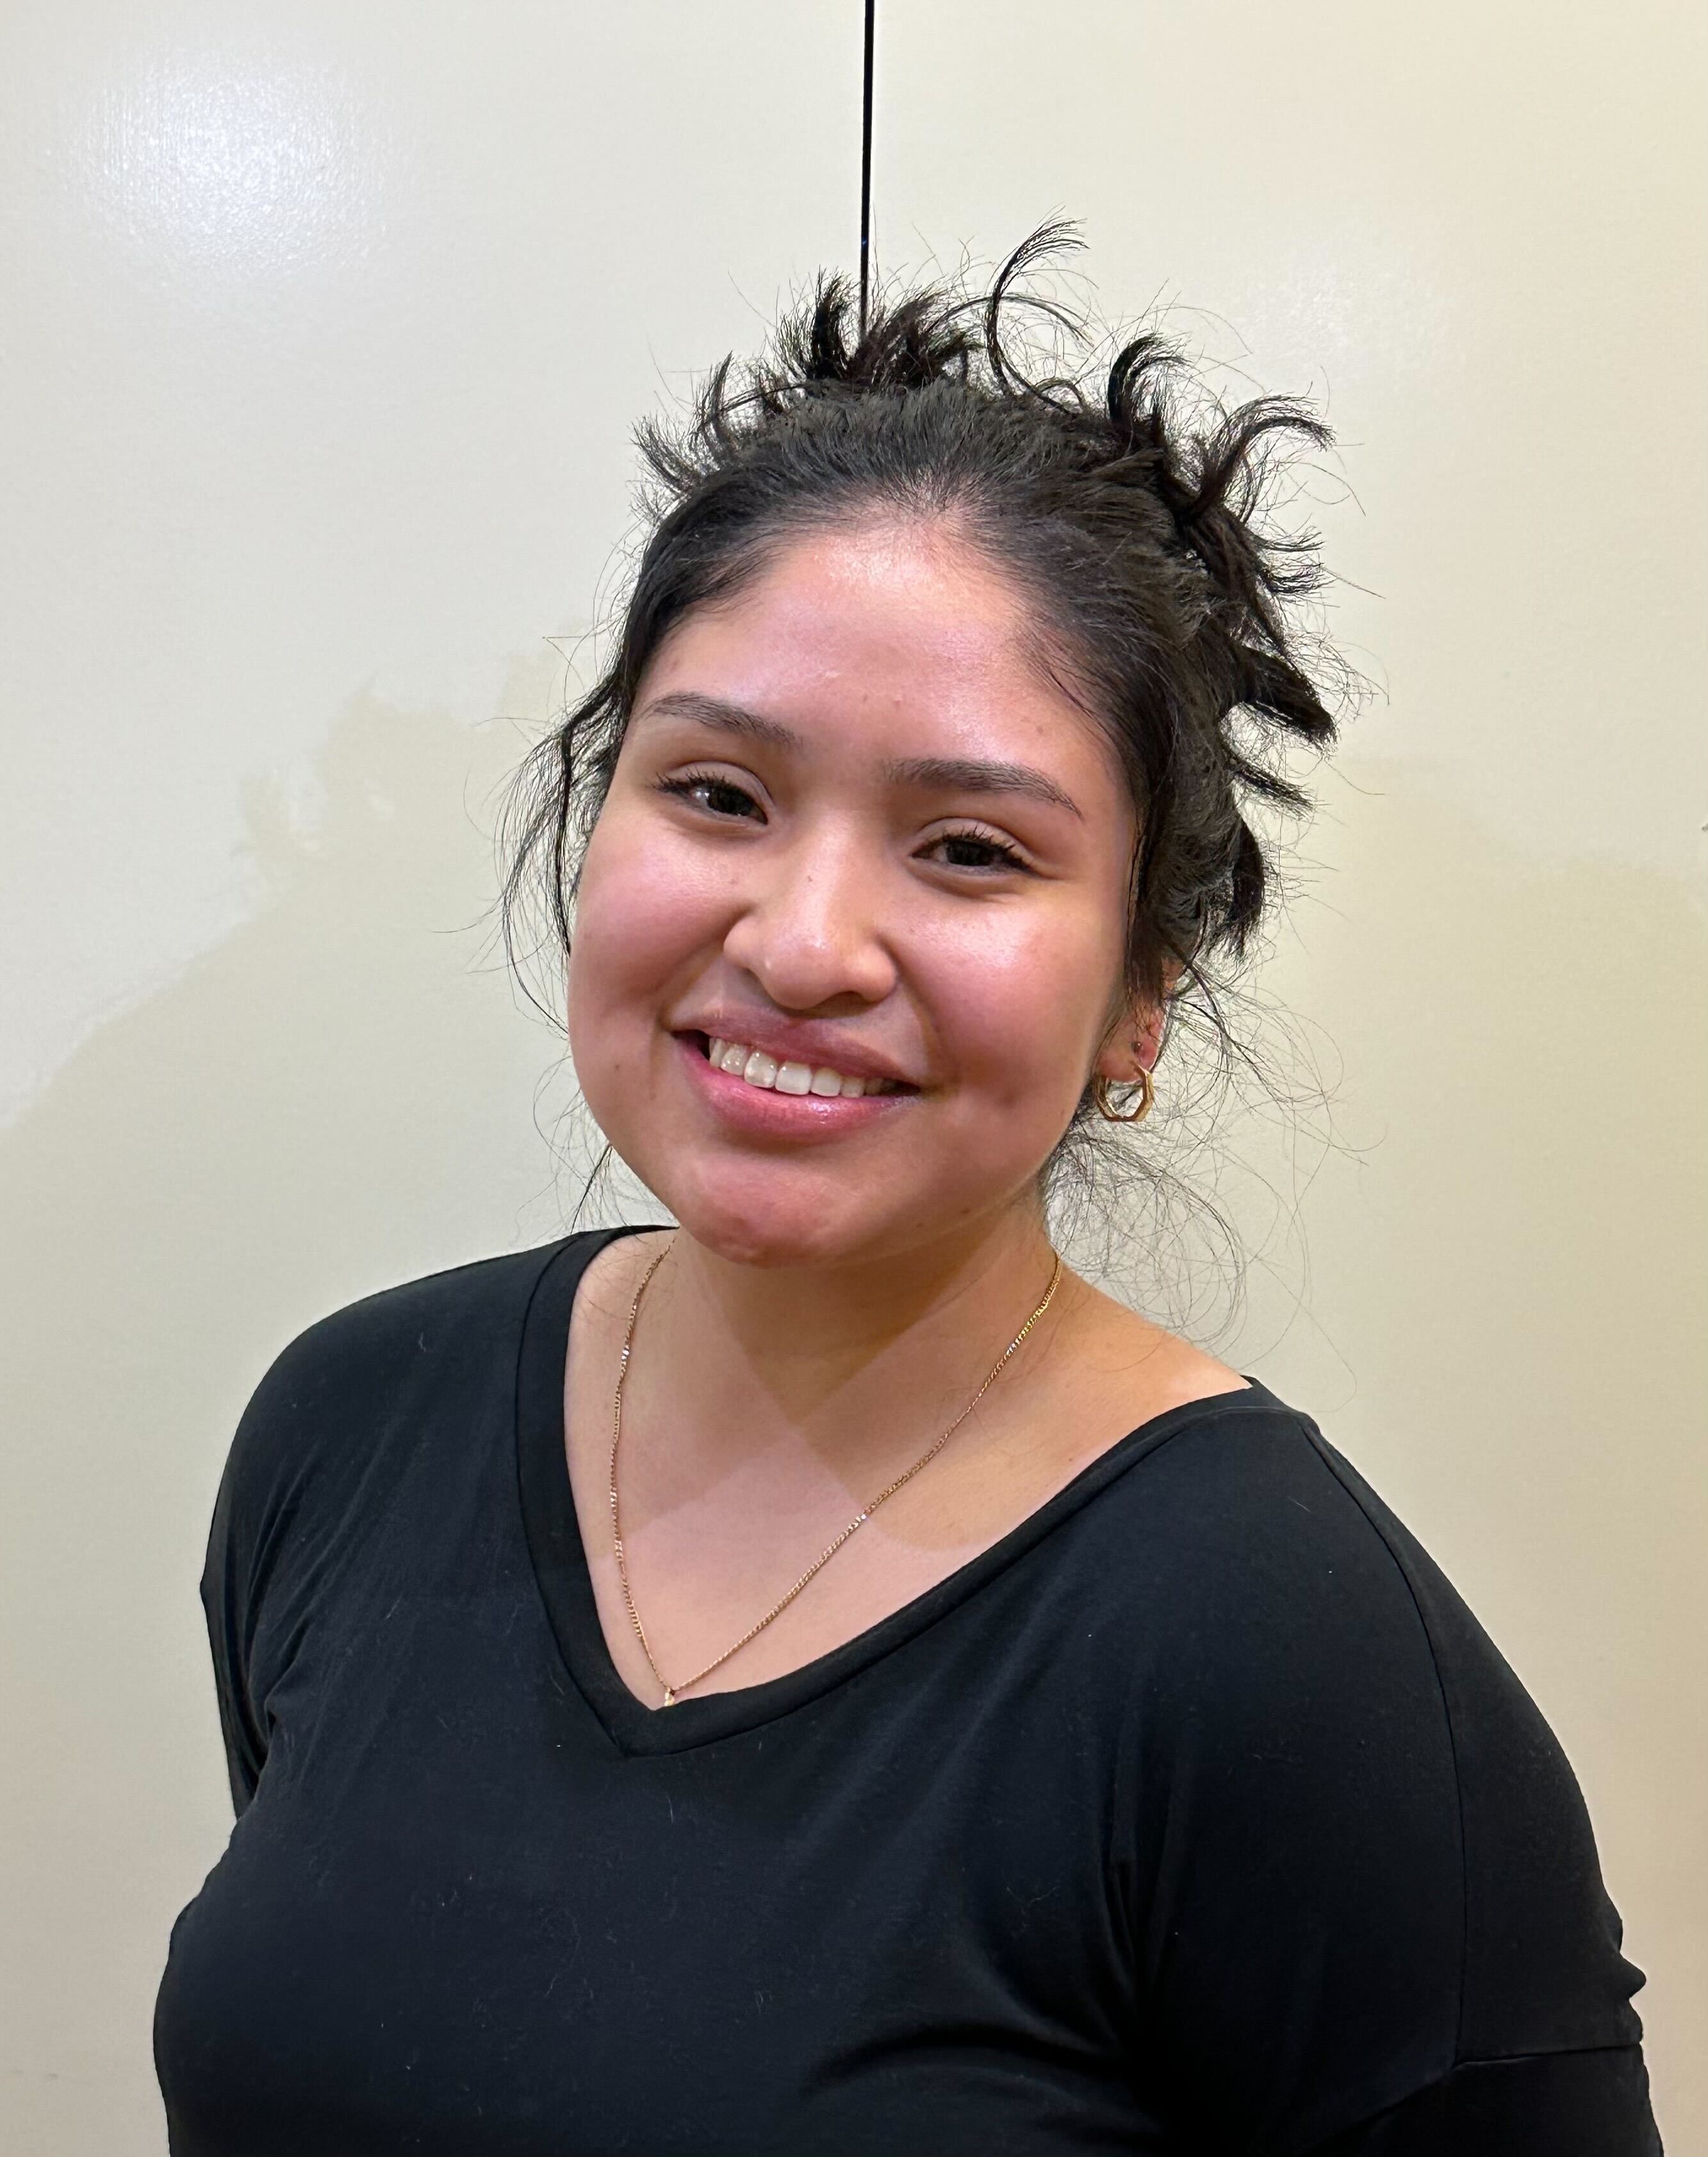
{"x":324,"y":327}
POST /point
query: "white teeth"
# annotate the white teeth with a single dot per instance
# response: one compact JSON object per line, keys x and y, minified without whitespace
{"x":760,"y":1069}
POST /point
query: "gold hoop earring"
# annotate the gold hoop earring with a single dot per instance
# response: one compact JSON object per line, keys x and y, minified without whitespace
{"x":1147,"y":1096}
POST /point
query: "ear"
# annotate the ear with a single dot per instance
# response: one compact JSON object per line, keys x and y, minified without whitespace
{"x":1134,"y":1044}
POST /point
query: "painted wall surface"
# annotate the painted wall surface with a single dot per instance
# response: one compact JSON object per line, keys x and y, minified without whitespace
{"x":324,"y":328}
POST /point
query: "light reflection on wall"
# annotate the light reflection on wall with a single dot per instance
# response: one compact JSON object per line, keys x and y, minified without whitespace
{"x":243,"y":171}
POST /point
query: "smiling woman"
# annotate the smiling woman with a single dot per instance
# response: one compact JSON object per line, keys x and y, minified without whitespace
{"x":761,"y":1712}
{"x":909,"y":862}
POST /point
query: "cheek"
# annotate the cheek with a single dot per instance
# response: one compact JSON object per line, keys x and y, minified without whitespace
{"x":1018,"y":1002}
{"x":641,"y":927}
{"x":642,"y":911}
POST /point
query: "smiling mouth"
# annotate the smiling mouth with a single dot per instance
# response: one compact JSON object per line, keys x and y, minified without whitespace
{"x":756,"y":1068}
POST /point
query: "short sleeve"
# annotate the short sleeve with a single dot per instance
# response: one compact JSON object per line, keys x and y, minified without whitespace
{"x":1366,"y":1915}
{"x":1592,"y":2104}
{"x":308,"y":1474}
{"x":273,"y":1471}
{"x":247,"y":1509}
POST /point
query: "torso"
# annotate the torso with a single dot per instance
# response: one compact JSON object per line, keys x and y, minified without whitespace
{"x":703,"y":1576}
{"x":1144,"y":1830}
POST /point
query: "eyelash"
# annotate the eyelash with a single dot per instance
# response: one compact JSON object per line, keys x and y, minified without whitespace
{"x":685,"y":784}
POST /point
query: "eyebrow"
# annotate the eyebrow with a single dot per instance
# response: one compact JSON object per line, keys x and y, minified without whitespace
{"x":970,"y":774}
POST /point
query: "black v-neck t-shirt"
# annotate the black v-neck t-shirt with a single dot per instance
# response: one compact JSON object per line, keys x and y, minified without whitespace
{"x":1196,"y":1814}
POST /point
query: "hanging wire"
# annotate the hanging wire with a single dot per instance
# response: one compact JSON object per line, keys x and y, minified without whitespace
{"x":865,"y":167}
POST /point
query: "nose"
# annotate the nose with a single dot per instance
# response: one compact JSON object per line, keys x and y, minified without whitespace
{"x":810,"y":921}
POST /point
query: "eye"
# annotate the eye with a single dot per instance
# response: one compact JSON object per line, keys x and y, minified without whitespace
{"x":987,"y":843}
{"x":691,"y":786}
{"x":721,"y":797}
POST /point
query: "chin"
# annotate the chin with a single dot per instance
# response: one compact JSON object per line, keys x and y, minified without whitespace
{"x":750,"y":1218}
{"x":759,"y":1224}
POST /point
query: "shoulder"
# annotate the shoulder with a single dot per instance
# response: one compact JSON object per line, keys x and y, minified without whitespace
{"x":1238,"y":1515}
{"x":1287,"y":1590}
{"x":1337,"y":1782}
{"x":1246,"y":1520}
{"x":1543,"y":1967}
{"x":1283,"y":1660}
{"x":441,"y":1314}
{"x":318,"y":1414}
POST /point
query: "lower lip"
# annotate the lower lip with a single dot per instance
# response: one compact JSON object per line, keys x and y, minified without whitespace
{"x":767,"y":1114}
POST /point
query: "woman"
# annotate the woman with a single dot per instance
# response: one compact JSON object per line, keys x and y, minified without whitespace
{"x":824,"y":1677}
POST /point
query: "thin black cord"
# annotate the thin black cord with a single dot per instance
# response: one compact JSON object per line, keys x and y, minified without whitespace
{"x":865,"y":167}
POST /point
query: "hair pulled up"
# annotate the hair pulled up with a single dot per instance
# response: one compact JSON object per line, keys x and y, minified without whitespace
{"x":1128,"y":504}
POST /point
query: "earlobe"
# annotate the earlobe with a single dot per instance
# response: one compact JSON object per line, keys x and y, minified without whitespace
{"x":1132,"y":1055}
{"x":1127,"y":1063}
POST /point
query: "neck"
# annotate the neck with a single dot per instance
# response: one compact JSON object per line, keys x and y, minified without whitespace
{"x":854,"y":1362}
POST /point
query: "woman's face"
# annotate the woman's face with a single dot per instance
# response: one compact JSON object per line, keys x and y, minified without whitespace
{"x":853,"y":826}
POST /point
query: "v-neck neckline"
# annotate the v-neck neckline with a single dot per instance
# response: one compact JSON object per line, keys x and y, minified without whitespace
{"x":553,"y":1529}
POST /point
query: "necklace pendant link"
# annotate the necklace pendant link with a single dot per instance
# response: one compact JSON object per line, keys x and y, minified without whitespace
{"x":669,"y":1697}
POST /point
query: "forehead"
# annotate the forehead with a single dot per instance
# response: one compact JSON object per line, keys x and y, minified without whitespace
{"x":883,"y":629}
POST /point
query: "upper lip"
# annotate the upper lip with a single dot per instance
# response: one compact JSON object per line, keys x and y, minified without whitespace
{"x":799,"y":1041}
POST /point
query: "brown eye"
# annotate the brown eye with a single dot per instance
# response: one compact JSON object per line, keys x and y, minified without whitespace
{"x":985,"y":843}
{"x":691,"y":786}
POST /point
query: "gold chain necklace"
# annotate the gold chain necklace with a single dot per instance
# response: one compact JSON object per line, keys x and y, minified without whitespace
{"x":859,"y":1519}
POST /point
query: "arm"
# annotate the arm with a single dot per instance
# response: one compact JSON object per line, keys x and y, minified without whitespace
{"x":1366,"y":1913}
{"x":228,"y":1604}
{"x":256,"y":1542}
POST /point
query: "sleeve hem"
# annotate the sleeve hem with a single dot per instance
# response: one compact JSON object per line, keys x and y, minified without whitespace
{"x":1588,"y":2101}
